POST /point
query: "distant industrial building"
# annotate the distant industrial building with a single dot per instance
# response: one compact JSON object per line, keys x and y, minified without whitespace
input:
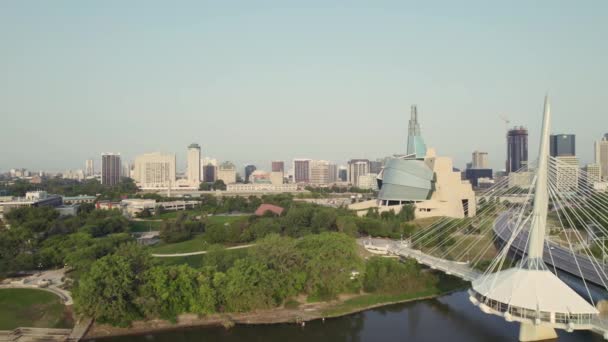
{"x":31,"y":199}
{"x":80,"y":199}
{"x":517,"y":149}
{"x":110,"y":169}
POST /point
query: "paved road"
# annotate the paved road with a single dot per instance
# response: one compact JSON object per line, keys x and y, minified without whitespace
{"x":560,"y":257}
{"x":195,"y":253}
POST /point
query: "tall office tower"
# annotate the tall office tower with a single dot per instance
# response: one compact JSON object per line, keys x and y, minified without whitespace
{"x":480,"y":160}
{"x":319,"y":172}
{"x":301,"y":170}
{"x":155,"y":170}
{"x":249,"y":169}
{"x":356,"y":168}
{"x":343,"y":174}
{"x":375,"y":166}
{"x":601,"y":156}
{"x":517,"y":149}
{"x":562,"y":145}
{"x":194,"y":165}
{"x":592,"y":174}
{"x":278,"y":166}
{"x":89,"y":168}
{"x":226,"y":172}
{"x":415,"y":143}
{"x":110,"y":169}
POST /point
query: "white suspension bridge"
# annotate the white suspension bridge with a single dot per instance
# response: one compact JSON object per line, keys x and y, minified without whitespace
{"x":520,"y":241}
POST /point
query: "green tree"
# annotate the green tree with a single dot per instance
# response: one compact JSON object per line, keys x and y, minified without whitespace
{"x":331,"y":257}
{"x":281,"y":255}
{"x":171,"y":290}
{"x":107,"y":292}
{"x":247,"y":286}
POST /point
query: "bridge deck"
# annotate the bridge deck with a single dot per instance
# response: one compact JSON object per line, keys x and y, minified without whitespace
{"x":459,"y":269}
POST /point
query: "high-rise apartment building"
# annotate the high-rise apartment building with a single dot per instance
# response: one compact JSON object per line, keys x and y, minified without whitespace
{"x":249,"y":169}
{"x":562,"y":145}
{"x":193,"y":166}
{"x":278,"y":166}
{"x":110,"y":169}
{"x":356,"y":168}
{"x":517,"y":149}
{"x":301,"y":170}
{"x":601,"y":156}
{"x":155,"y":170}
{"x":480,"y":160}
{"x":89,"y":168}
{"x":226,"y":172}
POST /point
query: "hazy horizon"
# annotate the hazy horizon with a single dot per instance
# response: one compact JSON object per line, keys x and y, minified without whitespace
{"x":276,"y":80}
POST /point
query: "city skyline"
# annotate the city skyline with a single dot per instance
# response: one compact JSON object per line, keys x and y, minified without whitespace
{"x":76,"y":72}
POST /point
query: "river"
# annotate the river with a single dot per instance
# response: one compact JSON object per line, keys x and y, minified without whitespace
{"x":449,"y":318}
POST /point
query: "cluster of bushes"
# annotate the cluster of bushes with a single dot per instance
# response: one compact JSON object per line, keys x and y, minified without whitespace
{"x":39,"y":238}
{"x":128,"y":285}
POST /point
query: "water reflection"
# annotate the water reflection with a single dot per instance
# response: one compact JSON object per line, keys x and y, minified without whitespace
{"x":450,"y":318}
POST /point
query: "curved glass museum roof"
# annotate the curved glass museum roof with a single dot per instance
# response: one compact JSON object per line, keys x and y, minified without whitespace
{"x":406,"y":180}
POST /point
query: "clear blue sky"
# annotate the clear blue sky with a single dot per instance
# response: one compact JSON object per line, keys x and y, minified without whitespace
{"x":254,"y":81}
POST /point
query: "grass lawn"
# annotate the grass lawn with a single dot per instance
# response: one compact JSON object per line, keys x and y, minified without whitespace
{"x":368,"y":300}
{"x":194,"y":245}
{"x":32,"y":308}
{"x":144,"y":226}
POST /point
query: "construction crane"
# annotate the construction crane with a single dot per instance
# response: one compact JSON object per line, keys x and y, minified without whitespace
{"x":507,"y":122}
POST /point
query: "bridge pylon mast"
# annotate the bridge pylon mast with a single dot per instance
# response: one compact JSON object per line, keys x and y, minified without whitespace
{"x":529,"y":293}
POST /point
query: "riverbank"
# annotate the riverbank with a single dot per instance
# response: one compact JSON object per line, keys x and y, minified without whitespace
{"x":343,"y":306}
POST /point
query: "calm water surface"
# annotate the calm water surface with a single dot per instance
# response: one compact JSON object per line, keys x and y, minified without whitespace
{"x":450,"y":318}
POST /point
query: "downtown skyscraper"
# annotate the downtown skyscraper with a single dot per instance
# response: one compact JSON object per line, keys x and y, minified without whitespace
{"x":517,"y":149}
{"x":110,"y":169}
